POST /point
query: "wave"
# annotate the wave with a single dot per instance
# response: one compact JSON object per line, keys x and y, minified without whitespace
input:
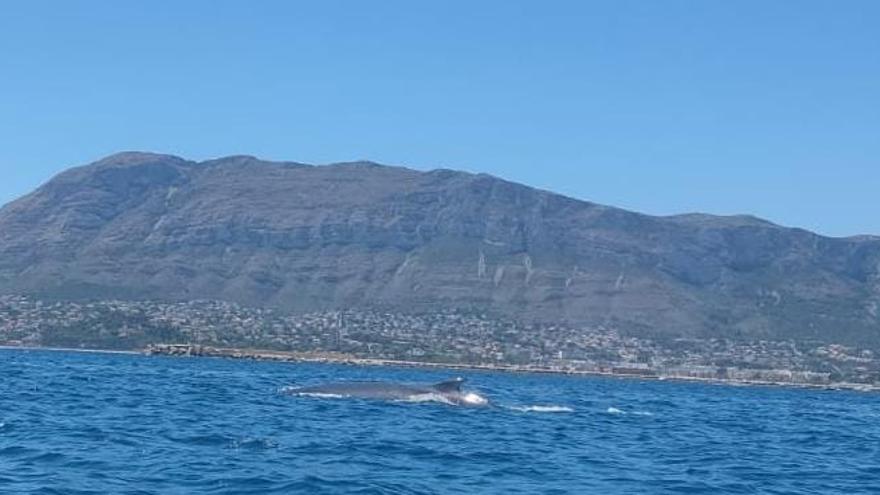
{"x":417,"y":398}
{"x":544,"y":409}
{"x":291,"y":390}
{"x":254,"y":443}
{"x":616,"y":411}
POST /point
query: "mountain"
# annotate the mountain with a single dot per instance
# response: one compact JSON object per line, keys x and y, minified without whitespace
{"x":300,"y":238}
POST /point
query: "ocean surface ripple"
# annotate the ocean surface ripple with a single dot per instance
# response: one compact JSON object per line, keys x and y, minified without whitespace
{"x":99,"y":423}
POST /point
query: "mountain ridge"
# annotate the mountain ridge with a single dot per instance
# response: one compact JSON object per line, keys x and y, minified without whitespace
{"x":137,"y":156}
{"x":300,"y":237}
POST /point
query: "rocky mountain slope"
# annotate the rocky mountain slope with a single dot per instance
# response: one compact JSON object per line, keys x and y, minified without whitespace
{"x":301,"y":237}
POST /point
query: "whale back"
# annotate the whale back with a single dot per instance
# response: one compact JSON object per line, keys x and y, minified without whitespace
{"x":449,"y":386}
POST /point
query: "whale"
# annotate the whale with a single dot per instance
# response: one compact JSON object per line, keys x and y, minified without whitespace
{"x":448,"y":392}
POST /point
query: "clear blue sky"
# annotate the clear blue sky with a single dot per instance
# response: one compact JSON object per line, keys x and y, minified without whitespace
{"x":763,"y":107}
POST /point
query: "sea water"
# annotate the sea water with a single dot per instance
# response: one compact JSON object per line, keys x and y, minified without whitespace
{"x":101,"y":423}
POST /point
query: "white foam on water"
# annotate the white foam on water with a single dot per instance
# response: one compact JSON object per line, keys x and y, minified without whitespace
{"x":474,"y":399}
{"x":614,"y":410}
{"x":295,"y":391}
{"x":317,"y":395}
{"x":542,"y":409}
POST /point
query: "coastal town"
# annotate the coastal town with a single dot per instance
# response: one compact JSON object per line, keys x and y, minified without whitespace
{"x":452,"y":338}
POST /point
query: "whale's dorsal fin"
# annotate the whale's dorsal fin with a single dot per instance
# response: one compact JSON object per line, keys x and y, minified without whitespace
{"x":453,"y":385}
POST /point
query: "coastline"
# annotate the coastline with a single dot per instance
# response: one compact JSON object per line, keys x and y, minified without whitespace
{"x":197,"y":351}
{"x":68,"y":349}
{"x":337,"y":358}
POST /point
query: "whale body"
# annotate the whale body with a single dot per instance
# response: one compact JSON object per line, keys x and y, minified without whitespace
{"x":447,"y":392}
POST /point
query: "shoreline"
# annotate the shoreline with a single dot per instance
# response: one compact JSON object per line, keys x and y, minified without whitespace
{"x":341,"y":359}
{"x":333,"y":358}
{"x":69,"y":349}
{"x":196,"y":351}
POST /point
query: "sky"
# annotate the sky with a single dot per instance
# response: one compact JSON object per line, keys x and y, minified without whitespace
{"x":663,"y":107}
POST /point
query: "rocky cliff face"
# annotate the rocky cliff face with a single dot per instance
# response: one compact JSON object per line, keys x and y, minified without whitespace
{"x":300,"y":237}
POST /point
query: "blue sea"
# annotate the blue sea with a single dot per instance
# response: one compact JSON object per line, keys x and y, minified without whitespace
{"x":83,"y":423}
